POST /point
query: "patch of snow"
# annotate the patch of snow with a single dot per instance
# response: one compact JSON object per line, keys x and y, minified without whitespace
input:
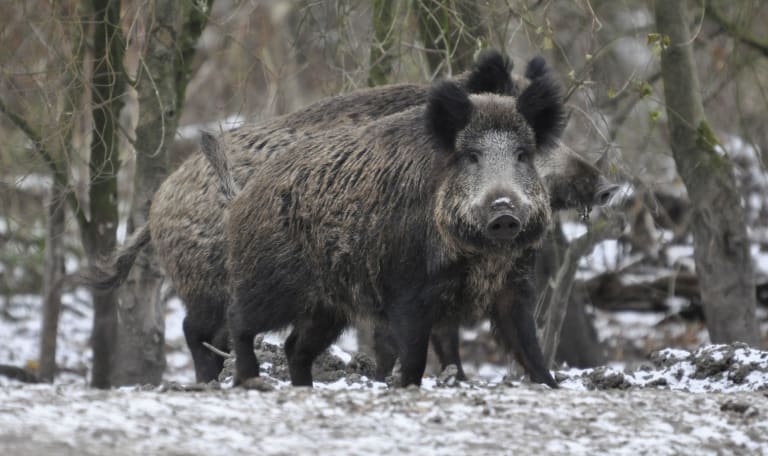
{"x":503,"y":200}
{"x":491,"y":373}
{"x":348,"y":341}
{"x":193,"y":131}
{"x":760,"y":259}
{"x":573,"y":230}
{"x":681,"y":255}
{"x":34,"y":182}
{"x":336,"y":351}
{"x":122,"y":232}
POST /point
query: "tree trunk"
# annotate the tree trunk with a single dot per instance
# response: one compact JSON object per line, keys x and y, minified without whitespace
{"x":108,"y":86}
{"x":162,"y":81}
{"x":721,"y":246}
{"x":56,"y":223}
{"x":383,"y":40}
{"x":577,"y":340}
{"x":52,"y":275}
{"x":579,"y":345}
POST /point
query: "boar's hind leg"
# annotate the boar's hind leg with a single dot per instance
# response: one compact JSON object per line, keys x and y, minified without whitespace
{"x":384,"y":348}
{"x":515,"y":327}
{"x":311,"y":335}
{"x":445,"y":342}
{"x":244,"y":323}
{"x":207,"y":364}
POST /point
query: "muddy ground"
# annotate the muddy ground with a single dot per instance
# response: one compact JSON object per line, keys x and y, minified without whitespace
{"x":503,"y":419}
{"x":713,"y":400}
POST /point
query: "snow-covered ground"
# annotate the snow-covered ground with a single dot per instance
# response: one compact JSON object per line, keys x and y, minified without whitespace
{"x":72,"y":420}
{"x":710,"y":400}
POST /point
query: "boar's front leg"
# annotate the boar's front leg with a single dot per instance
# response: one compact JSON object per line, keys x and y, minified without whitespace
{"x":411,"y":324}
{"x":514,"y":325}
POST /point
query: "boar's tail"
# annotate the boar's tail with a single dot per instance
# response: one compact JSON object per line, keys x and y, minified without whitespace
{"x":110,"y":274}
{"x":220,"y":164}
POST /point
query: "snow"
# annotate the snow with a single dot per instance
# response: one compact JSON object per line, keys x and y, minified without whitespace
{"x":191,"y":132}
{"x":503,"y":200}
{"x":505,"y":419}
{"x":676,"y":403}
{"x":34,"y":182}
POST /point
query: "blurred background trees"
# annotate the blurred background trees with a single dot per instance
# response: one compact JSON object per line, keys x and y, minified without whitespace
{"x":100,"y":99}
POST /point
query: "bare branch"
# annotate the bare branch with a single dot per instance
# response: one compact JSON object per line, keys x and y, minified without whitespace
{"x":735,"y":31}
{"x":59,"y":175}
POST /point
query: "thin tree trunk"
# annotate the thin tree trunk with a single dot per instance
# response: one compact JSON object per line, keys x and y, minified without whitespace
{"x":53,"y":273}
{"x":556,"y":294}
{"x":99,"y":235}
{"x":162,"y":79}
{"x":56,"y":223}
{"x":577,"y":342}
{"x":381,"y":58}
{"x":721,"y":246}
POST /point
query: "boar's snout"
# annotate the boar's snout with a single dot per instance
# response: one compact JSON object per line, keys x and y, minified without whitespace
{"x":504,"y":221}
{"x":504,"y":226}
{"x":604,"y":193}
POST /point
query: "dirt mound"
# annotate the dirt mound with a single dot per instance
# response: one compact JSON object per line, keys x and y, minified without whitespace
{"x":720,"y":368}
{"x":331,"y":366}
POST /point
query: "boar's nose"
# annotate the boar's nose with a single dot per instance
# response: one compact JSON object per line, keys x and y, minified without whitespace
{"x":604,"y":194}
{"x":503,"y":225}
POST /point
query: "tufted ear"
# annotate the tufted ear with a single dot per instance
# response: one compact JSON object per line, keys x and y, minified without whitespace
{"x":448,"y":111}
{"x":491,"y":73}
{"x":536,"y":68}
{"x":541,"y":104}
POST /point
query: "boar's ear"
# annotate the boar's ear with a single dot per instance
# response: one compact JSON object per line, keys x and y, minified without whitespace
{"x":491,"y":73}
{"x":536,"y":68}
{"x":448,"y":112}
{"x":541,"y":104}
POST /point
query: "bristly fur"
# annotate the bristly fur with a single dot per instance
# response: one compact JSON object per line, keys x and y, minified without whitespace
{"x":348,"y":222}
{"x":541,"y":103}
{"x":491,"y":73}
{"x":448,"y":111}
{"x":188,"y":212}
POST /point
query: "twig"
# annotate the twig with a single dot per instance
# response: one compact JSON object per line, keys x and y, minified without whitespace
{"x":736,"y":32}
{"x":221,"y":353}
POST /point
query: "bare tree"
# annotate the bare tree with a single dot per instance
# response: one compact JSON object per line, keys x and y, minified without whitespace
{"x":56,"y":220}
{"x":163,"y":72}
{"x":52,"y":276}
{"x":721,"y":246}
{"x":99,"y":233}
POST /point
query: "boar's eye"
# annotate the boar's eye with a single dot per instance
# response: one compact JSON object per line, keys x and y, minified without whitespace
{"x":474,"y":156}
{"x":523,"y":155}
